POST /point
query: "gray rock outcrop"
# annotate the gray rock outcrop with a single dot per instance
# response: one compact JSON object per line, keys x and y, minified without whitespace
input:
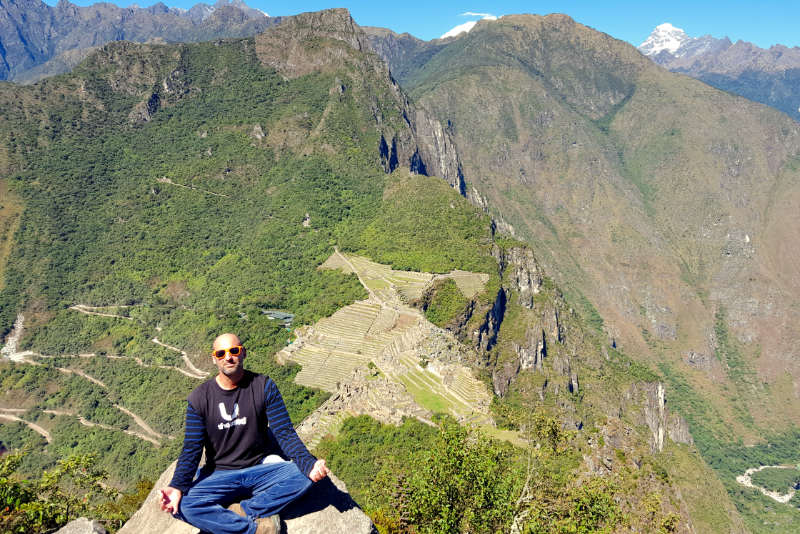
{"x":327,"y":507}
{"x":419,"y":141}
{"x":656,"y":416}
{"x":82,"y":526}
{"x":521,"y":272}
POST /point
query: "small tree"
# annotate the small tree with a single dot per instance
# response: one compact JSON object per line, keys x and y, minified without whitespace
{"x":466,"y":483}
{"x":14,"y":493}
{"x":74,"y":487}
{"x":71,"y":489}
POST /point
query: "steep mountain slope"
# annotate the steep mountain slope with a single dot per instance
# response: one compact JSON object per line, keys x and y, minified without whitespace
{"x":403,"y":53}
{"x":166,"y":193}
{"x":38,"y":40}
{"x":767,"y":76}
{"x":662,"y":203}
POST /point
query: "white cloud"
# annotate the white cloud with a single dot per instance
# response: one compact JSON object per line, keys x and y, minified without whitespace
{"x":461,"y":28}
{"x":467,"y":26}
{"x":484,"y":16}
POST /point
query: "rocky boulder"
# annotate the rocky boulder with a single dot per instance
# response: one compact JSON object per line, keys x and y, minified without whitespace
{"x":327,"y":507}
{"x":82,"y":526}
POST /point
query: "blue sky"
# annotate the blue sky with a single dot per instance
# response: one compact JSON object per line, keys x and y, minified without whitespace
{"x":764,"y":23}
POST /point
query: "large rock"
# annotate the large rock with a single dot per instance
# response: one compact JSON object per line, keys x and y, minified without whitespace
{"x":82,"y":526}
{"x":327,"y":507}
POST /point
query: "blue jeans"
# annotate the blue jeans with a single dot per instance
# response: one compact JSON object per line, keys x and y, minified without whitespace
{"x":264,"y":490}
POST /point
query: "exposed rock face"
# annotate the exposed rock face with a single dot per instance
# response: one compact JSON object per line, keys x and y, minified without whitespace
{"x":701,"y":361}
{"x":521,"y":272}
{"x":82,"y":526}
{"x":486,"y":335}
{"x":327,"y":507}
{"x":421,"y":143}
{"x":532,"y":359}
{"x":657,"y":417}
{"x":504,"y":374}
{"x":32,"y":33}
{"x":285,"y":49}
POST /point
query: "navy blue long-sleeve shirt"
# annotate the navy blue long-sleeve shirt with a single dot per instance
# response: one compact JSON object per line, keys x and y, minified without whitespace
{"x":232,"y":425}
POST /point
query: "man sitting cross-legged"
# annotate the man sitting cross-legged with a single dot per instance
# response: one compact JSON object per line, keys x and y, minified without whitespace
{"x":229,"y":415}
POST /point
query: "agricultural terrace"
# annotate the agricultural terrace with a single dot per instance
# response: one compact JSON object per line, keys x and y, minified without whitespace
{"x":384,"y":330}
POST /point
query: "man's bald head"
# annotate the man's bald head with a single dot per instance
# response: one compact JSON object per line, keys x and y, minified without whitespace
{"x":226,"y":341}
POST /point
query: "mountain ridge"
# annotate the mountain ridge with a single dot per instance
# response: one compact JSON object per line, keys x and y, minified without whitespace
{"x":768,"y":76}
{"x":39,"y":40}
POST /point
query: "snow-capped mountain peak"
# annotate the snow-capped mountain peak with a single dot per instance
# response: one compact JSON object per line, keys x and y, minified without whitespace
{"x":664,"y":37}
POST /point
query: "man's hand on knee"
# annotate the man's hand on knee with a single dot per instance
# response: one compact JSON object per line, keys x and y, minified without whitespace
{"x":319,"y":471}
{"x":170,"y":499}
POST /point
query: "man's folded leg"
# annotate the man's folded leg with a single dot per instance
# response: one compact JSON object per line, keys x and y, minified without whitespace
{"x":204,"y":504}
{"x":273,"y":486}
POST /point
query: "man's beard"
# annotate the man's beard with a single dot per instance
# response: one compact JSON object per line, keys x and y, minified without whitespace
{"x":231,"y":371}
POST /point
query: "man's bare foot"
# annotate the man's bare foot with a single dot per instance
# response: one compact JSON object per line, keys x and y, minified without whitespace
{"x":237,"y":509}
{"x":269,"y":525}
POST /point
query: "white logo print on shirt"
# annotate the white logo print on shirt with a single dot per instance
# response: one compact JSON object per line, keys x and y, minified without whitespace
{"x":233,"y":420}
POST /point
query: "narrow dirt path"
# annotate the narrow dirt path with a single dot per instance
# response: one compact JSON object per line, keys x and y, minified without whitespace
{"x":139,"y":421}
{"x":169,"y":181}
{"x":82,"y":374}
{"x":88,"y":311}
{"x":138,"y":361}
{"x":199,"y":373}
{"x":86,"y":422}
{"x":33,"y":426}
{"x":193,"y":371}
{"x":347,"y":261}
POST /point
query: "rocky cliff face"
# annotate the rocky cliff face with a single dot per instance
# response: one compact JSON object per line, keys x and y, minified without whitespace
{"x":416,"y":141}
{"x":33,"y":33}
{"x":520,"y":272}
{"x":649,"y":400}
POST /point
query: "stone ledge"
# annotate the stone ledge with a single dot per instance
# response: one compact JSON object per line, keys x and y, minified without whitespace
{"x":327,"y":507}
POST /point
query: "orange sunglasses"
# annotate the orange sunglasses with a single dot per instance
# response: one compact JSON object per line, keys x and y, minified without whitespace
{"x":236,"y":350}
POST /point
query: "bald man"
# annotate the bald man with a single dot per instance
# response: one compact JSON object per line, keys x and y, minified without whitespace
{"x":245,"y":481}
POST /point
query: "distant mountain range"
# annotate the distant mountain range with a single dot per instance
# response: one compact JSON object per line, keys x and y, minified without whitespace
{"x":38,"y":40}
{"x":770,"y":76}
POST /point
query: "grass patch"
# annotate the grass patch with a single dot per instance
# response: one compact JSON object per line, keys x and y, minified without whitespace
{"x":446,"y":302}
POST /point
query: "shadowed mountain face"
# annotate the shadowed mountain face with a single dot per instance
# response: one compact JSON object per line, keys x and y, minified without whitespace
{"x":669,"y":205}
{"x":37,"y":40}
{"x":769,"y":76}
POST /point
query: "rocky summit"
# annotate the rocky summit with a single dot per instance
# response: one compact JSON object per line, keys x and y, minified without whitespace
{"x":327,"y":507}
